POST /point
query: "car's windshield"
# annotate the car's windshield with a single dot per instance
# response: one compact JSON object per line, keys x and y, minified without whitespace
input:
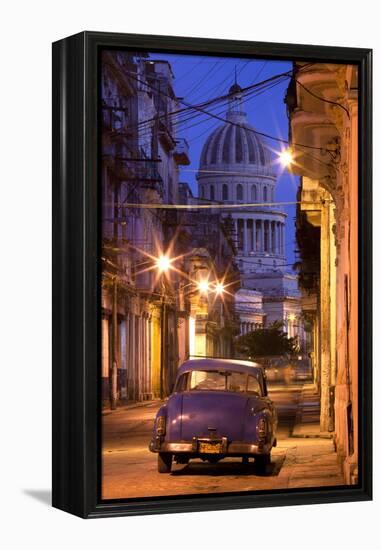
{"x":219,"y":381}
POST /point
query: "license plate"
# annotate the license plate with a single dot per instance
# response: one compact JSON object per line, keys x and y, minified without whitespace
{"x":209,"y":448}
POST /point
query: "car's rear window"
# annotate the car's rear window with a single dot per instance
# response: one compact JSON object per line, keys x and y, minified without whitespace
{"x":203,"y":380}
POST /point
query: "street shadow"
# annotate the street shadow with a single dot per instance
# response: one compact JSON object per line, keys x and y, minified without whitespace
{"x":230,"y":469}
{"x":42,"y":495}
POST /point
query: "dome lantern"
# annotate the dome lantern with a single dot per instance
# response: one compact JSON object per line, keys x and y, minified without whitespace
{"x":235,"y":112}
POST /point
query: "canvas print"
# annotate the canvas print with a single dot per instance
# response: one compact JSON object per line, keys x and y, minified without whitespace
{"x":229,"y":330}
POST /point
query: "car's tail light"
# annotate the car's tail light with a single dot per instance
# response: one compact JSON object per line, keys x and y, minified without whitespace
{"x":160,"y":425}
{"x":262,"y":429}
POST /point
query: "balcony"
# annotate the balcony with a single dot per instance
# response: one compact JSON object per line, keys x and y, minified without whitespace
{"x":181,"y":152}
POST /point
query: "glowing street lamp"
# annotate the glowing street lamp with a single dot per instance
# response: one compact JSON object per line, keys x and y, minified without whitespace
{"x":286,"y":157}
{"x":220,"y":289}
{"x":203,"y":286}
{"x":163,"y":263}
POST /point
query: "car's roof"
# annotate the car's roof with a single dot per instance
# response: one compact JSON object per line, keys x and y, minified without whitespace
{"x":210,"y":364}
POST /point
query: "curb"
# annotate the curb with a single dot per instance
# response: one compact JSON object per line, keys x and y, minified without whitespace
{"x":135,"y":405}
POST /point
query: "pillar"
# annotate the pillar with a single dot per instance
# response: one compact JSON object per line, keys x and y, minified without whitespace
{"x":245,"y":240}
{"x":325,"y":317}
{"x":270,"y":237}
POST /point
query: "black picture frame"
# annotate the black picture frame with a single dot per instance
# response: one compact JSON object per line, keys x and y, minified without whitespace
{"x":76,"y":273}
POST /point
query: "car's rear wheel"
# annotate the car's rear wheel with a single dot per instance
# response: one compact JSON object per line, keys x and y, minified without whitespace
{"x":261,"y":463}
{"x":164,"y":463}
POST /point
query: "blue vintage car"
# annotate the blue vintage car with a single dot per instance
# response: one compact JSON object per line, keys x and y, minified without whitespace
{"x":219,"y":408}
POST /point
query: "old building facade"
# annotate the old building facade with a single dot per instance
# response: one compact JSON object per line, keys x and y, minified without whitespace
{"x":323,"y":108}
{"x":152,"y":319}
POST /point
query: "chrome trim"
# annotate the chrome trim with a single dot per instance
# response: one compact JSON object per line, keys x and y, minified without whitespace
{"x":228,"y":449}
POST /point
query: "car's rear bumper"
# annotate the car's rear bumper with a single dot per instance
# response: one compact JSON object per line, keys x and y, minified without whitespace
{"x":191,"y":448}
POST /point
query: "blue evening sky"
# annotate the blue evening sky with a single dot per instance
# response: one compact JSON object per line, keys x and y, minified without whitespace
{"x":200,"y":78}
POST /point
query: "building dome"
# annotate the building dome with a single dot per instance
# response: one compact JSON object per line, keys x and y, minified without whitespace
{"x":235,"y":144}
{"x":236,"y":167}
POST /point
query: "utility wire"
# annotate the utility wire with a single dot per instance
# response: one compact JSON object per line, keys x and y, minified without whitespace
{"x":225,"y":120}
{"x":322,"y":98}
{"x":206,"y":206}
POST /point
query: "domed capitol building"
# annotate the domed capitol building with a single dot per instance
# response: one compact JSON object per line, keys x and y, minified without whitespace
{"x":237,"y":167}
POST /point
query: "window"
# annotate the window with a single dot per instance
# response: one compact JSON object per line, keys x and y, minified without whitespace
{"x":265,"y":193}
{"x":239,"y":192}
{"x":253,"y":386}
{"x":212,"y":192}
{"x":254,"y":195}
{"x":225,"y":192}
{"x":217,"y":381}
{"x":182,"y":383}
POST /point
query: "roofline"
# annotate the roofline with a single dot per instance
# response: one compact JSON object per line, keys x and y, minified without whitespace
{"x":213,"y":363}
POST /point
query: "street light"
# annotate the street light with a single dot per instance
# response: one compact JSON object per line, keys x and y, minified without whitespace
{"x":203,"y":286}
{"x":220,"y":289}
{"x":163,"y":264}
{"x":286,"y":157}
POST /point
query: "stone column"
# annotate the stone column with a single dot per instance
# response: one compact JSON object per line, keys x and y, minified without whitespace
{"x":276,"y":238}
{"x":325,"y":321}
{"x":262,"y":236}
{"x":244,"y":233}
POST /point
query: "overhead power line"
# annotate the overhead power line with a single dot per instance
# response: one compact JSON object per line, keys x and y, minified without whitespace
{"x":226,"y":121}
{"x":206,"y":206}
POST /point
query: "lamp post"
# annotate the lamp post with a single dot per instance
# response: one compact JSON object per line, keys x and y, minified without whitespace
{"x":163,"y":264}
{"x":203,"y":287}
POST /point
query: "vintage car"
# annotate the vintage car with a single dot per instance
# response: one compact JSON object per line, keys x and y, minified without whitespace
{"x":219,"y":408}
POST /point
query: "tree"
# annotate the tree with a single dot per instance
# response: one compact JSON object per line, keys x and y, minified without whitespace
{"x":266,"y":341}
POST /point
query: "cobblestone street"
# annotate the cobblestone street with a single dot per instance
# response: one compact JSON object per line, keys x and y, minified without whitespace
{"x":303,"y":457}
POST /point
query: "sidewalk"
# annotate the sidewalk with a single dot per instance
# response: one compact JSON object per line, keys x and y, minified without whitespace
{"x":307,"y":422}
{"x":133,"y":405}
{"x":311,"y":460}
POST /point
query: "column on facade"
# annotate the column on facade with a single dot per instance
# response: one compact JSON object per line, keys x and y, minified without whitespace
{"x":325,"y":321}
{"x":235,"y":222}
{"x":262,"y":235}
{"x":276,"y":237}
{"x":270,"y":243}
{"x":258,"y":235}
{"x":254,"y":232}
{"x":245,"y":235}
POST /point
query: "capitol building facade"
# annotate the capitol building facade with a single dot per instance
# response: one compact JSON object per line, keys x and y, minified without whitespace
{"x":237,"y":168}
